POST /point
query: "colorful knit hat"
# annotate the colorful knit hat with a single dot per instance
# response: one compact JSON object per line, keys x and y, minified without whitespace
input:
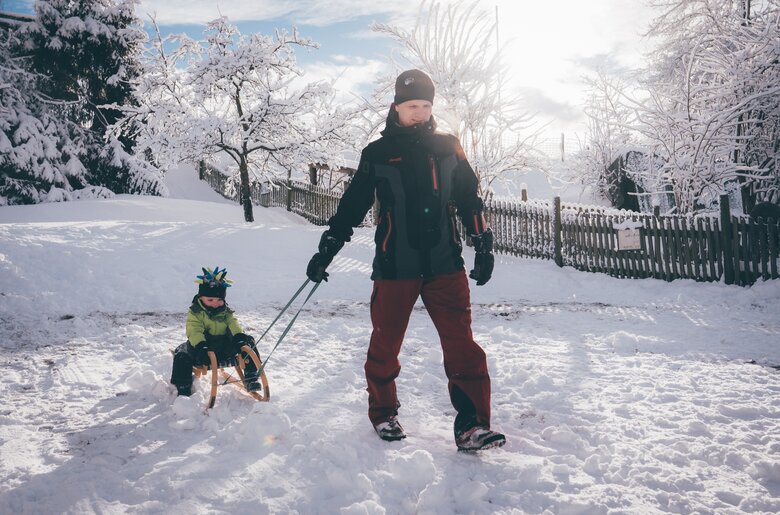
{"x":213,"y":283}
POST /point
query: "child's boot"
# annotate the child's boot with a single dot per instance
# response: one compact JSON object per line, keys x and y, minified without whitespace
{"x":184,"y":389}
{"x":252,"y":384}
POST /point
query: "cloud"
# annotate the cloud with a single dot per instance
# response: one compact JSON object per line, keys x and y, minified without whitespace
{"x":538,"y":101}
{"x":304,"y":12}
{"x":175,"y":12}
{"x":365,"y":34}
{"x":608,"y":62}
{"x":351,"y":77}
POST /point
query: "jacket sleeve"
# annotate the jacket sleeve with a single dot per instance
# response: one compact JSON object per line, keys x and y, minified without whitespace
{"x":466,"y":194}
{"x":233,"y":324}
{"x":355,"y":202}
{"x":195,"y":329}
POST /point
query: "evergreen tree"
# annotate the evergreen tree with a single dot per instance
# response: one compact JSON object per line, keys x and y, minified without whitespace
{"x":38,"y":152}
{"x":88,"y":51}
{"x":64,"y":79}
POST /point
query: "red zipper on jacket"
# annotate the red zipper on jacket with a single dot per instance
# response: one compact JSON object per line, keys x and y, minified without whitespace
{"x":479,"y":228}
{"x":389,"y":230}
{"x":434,"y":177}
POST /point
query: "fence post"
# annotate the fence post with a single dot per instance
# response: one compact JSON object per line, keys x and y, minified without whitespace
{"x":289,"y":190}
{"x":557,"y":229}
{"x":201,"y":169}
{"x":725,"y":232}
{"x":524,"y":195}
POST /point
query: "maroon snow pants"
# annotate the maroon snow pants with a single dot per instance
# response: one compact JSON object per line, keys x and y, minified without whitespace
{"x":447,"y":300}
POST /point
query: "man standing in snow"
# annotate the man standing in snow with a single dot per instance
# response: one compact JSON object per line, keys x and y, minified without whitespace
{"x":421,"y":178}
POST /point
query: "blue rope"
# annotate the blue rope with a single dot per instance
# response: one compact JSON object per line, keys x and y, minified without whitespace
{"x":285,"y":308}
{"x":289,"y":326}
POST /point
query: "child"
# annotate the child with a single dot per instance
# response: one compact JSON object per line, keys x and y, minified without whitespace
{"x":211,"y":326}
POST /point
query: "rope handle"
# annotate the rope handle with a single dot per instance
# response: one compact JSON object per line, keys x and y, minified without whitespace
{"x":290,"y":324}
{"x":285,"y":308}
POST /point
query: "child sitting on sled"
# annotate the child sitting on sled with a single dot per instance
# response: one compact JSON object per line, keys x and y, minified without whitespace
{"x":211,"y":326}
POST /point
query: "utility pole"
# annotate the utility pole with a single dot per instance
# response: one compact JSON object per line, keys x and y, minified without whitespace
{"x":563,"y":147}
{"x":747,"y":201}
{"x":500,"y":81}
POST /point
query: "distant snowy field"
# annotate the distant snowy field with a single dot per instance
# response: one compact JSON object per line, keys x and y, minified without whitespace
{"x":617,"y":396}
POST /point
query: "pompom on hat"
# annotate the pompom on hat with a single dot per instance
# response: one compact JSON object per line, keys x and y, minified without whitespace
{"x":413,"y":85}
{"x":213,"y":282}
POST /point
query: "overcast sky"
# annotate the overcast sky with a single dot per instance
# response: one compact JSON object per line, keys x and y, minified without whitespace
{"x":549,"y":45}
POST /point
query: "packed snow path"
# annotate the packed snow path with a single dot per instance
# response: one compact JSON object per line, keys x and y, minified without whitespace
{"x":615,"y":395}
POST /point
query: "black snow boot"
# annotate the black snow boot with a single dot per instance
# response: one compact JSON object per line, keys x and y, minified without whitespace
{"x":390,"y":430}
{"x":478,"y":438}
{"x":184,"y":389}
{"x":252,"y":384}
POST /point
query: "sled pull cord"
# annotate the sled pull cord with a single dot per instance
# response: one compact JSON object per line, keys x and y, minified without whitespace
{"x":289,"y":326}
{"x":285,"y":308}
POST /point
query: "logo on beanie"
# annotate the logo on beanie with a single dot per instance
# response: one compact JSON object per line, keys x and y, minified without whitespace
{"x":413,"y":85}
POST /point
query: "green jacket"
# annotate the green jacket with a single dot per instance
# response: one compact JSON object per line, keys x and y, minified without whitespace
{"x":203,"y":322}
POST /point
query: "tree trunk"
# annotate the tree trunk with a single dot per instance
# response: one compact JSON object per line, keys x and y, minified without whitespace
{"x":244,"y":195}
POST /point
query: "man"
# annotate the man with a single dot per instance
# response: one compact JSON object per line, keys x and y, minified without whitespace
{"x":420,"y":178}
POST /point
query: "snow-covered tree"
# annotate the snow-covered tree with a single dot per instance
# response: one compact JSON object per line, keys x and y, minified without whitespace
{"x":712,"y":106}
{"x":88,"y":52}
{"x":608,"y":130}
{"x":706,"y":106}
{"x":31,"y":164}
{"x":52,"y":116}
{"x":240,"y":96}
{"x":454,"y":44}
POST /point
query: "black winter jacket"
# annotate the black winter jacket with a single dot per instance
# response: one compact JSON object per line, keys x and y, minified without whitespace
{"x":421,"y":178}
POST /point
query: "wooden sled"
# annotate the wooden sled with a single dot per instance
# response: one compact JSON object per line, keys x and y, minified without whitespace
{"x":218,"y":368}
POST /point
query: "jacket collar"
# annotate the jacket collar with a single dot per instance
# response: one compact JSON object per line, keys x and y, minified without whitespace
{"x":393,"y":128}
{"x":198,"y":306}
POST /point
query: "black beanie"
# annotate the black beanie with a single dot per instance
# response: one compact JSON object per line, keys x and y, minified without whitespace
{"x":413,"y":85}
{"x":212,"y":290}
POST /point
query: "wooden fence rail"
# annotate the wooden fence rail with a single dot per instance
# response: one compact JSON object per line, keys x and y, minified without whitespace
{"x":736,"y":250}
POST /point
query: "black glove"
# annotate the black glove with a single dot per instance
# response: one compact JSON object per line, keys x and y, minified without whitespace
{"x":483,"y":257}
{"x":241,"y":339}
{"x":328,"y":248}
{"x":201,"y":353}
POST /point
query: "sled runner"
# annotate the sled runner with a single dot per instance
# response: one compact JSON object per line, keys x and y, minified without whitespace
{"x":218,"y":368}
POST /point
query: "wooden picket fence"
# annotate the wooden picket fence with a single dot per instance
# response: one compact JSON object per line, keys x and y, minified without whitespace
{"x":223,"y":184}
{"x":732,"y":249}
{"x":521,"y":228}
{"x":314,"y":203}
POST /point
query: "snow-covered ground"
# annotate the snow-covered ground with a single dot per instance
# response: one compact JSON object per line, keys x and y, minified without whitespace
{"x":617,"y":396}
